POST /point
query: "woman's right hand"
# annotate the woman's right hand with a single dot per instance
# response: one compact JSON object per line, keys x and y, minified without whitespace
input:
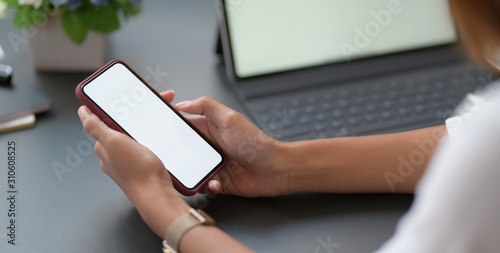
{"x":254,"y":166}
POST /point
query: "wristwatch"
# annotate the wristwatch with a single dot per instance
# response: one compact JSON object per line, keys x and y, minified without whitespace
{"x":182,"y":225}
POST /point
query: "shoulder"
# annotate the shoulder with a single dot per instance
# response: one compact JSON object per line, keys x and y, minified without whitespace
{"x":470,"y":104}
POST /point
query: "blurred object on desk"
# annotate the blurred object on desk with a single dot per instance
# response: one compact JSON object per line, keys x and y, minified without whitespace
{"x":5,"y":74}
{"x":18,"y":123}
{"x":18,"y":101}
{"x":52,"y":50}
{"x":68,"y":36}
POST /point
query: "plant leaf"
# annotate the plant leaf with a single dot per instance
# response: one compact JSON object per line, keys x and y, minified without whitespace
{"x":102,"y":18}
{"x":27,"y":15}
{"x":122,"y":1}
{"x":129,"y":9}
{"x":74,"y":26}
{"x":11,"y":3}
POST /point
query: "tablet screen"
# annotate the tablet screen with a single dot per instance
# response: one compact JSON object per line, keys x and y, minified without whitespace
{"x":269,"y":36}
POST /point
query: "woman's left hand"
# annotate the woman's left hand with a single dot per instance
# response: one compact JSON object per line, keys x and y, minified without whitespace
{"x":137,"y":171}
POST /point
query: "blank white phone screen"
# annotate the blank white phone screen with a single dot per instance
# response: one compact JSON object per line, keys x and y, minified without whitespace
{"x":153,"y":124}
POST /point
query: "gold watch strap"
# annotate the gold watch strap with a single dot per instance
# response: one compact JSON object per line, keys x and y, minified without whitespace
{"x":182,"y":225}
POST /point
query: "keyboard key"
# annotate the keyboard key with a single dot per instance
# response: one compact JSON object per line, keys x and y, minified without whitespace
{"x":424,"y":88}
{"x":354,"y":110}
{"x":361,"y":91}
{"x":312,"y":99}
{"x":321,"y":135}
{"x":403,"y":111}
{"x":419,"y":109}
{"x":320,"y":126}
{"x":354,"y":121}
{"x":409,"y":84}
{"x":337,"y":113}
{"x":321,"y":116}
{"x":326,"y":106}
{"x":375,"y":97}
{"x":337,"y":124}
{"x":304,"y":119}
{"x":282,"y":133}
{"x":370,"y":118}
{"x":359,"y":100}
{"x":328,"y":97}
{"x":295,"y":103}
{"x":342,"y":103}
{"x":386,"y":115}
{"x":310,"y":109}
{"x":343,"y":132}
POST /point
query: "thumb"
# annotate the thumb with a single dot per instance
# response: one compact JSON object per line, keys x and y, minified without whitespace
{"x":213,"y":187}
{"x":211,"y":109}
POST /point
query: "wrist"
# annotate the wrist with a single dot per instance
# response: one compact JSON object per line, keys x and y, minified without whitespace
{"x":284,"y":166}
{"x":308,"y":164}
{"x":159,"y":206}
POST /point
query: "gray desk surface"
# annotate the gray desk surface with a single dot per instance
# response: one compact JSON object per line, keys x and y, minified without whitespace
{"x":87,"y":212}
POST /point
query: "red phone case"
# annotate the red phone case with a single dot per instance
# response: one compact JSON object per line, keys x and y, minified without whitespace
{"x":108,"y":121}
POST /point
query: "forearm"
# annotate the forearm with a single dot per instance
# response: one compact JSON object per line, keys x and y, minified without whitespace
{"x":160,"y":206}
{"x":379,"y":163}
{"x":210,"y":239}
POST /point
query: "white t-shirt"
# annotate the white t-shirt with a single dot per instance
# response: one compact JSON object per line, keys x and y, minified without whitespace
{"x":457,"y":203}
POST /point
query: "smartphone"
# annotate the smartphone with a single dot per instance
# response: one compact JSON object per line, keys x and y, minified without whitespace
{"x":126,"y":103}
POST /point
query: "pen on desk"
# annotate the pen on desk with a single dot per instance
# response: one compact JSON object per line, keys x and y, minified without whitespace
{"x":5,"y":74}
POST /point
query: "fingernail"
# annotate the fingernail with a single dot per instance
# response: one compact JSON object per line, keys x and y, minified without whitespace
{"x":181,"y":104}
{"x":213,"y":186}
{"x":172,"y":91}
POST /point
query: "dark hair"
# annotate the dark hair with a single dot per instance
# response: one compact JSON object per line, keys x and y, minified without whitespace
{"x":478,"y":24}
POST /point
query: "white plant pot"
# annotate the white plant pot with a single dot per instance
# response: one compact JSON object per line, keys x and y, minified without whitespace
{"x":52,"y":50}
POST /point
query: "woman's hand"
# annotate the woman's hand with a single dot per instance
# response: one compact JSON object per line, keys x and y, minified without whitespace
{"x":254,"y":166}
{"x":131,"y":165}
{"x":138,"y":171}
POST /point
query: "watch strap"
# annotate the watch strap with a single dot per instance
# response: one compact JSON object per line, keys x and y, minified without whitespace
{"x":182,"y":225}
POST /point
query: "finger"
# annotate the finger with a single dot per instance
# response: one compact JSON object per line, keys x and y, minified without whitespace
{"x":199,"y":122}
{"x":92,"y":124}
{"x":213,"y":187}
{"x":213,"y":110}
{"x":168,"y":95}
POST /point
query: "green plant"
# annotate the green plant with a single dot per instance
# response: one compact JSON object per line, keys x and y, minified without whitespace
{"x":77,"y":16}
